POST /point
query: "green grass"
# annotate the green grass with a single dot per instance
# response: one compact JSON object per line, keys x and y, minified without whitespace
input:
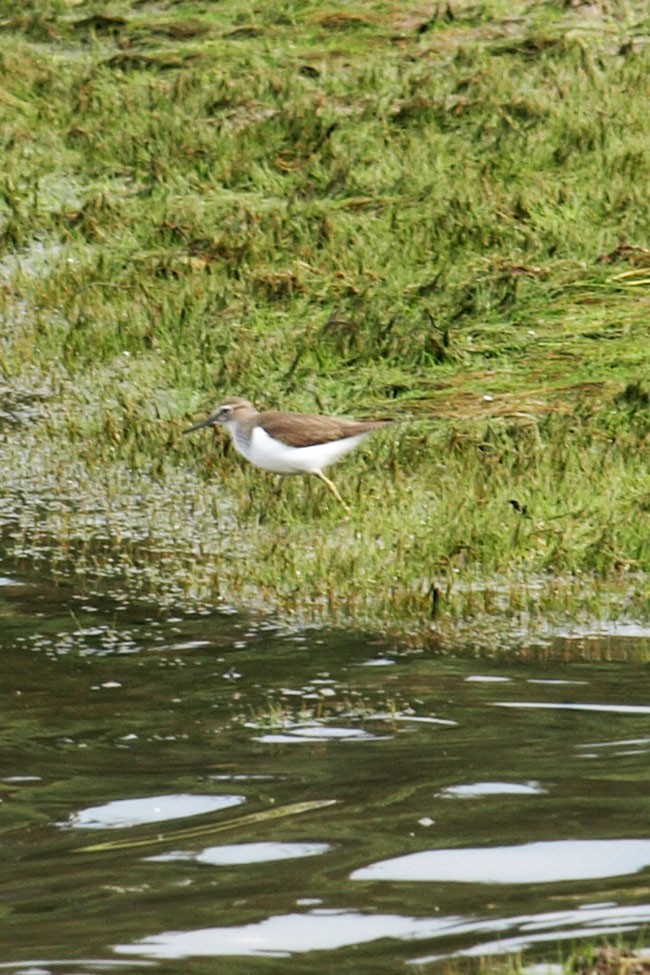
{"x":358,"y":211}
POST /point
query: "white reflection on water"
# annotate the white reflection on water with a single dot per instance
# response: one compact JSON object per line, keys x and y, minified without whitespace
{"x":149,"y":809}
{"x":475,"y":790}
{"x":609,"y":708}
{"x":283,"y":935}
{"x":617,"y":743}
{"x":302,"y":733}
{"x":554,"y":680}
{"x":529,"y":863}
{"x":238,"y":853}
{"x":586,"y":922}
{"x":328,"y":930}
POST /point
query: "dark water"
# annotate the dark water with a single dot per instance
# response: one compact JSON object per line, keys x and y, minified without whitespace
{"x":205,"y":794}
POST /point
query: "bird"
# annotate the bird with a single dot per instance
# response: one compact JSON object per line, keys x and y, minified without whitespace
{"x":289,"y":443}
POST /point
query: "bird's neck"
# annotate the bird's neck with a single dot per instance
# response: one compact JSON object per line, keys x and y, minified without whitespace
{"x":241,"y":431}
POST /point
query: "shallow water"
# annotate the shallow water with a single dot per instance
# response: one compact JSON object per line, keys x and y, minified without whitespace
{"x":205,"y":793}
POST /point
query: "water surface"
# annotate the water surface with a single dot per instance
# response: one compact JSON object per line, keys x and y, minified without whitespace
{"x":187,"y":794}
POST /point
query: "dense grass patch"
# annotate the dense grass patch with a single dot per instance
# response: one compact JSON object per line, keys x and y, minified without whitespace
{"x":439,"y":217}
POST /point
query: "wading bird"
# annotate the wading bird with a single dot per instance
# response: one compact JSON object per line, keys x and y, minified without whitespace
{"x":290,"y":443}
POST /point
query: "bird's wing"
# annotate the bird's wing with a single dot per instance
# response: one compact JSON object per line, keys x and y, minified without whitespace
{"x":303,"y":430}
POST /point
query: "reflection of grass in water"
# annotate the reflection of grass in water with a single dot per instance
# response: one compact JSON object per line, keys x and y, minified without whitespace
{"x":208,"y":829}
{"x":383,"y":216}
{"x":597,"y":958}
{"x":341,"y":707}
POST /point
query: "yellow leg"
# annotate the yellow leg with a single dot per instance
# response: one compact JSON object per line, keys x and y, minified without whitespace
{"x":331,"y":487}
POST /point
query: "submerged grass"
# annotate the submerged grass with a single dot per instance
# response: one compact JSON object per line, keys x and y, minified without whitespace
{"x":438,"y":216}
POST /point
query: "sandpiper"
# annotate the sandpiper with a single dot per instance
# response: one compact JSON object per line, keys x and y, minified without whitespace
{"x":289,"y":443}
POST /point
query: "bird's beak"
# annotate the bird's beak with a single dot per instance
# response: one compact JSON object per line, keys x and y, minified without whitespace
{"x":210,"y":422}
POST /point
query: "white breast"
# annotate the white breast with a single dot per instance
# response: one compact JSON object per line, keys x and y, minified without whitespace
{"x":272,"y":455}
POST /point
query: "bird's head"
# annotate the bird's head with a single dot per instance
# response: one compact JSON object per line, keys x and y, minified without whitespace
{"x":228,"y":412}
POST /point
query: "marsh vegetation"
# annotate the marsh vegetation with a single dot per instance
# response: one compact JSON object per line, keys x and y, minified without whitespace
{"x":434,"y":214}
